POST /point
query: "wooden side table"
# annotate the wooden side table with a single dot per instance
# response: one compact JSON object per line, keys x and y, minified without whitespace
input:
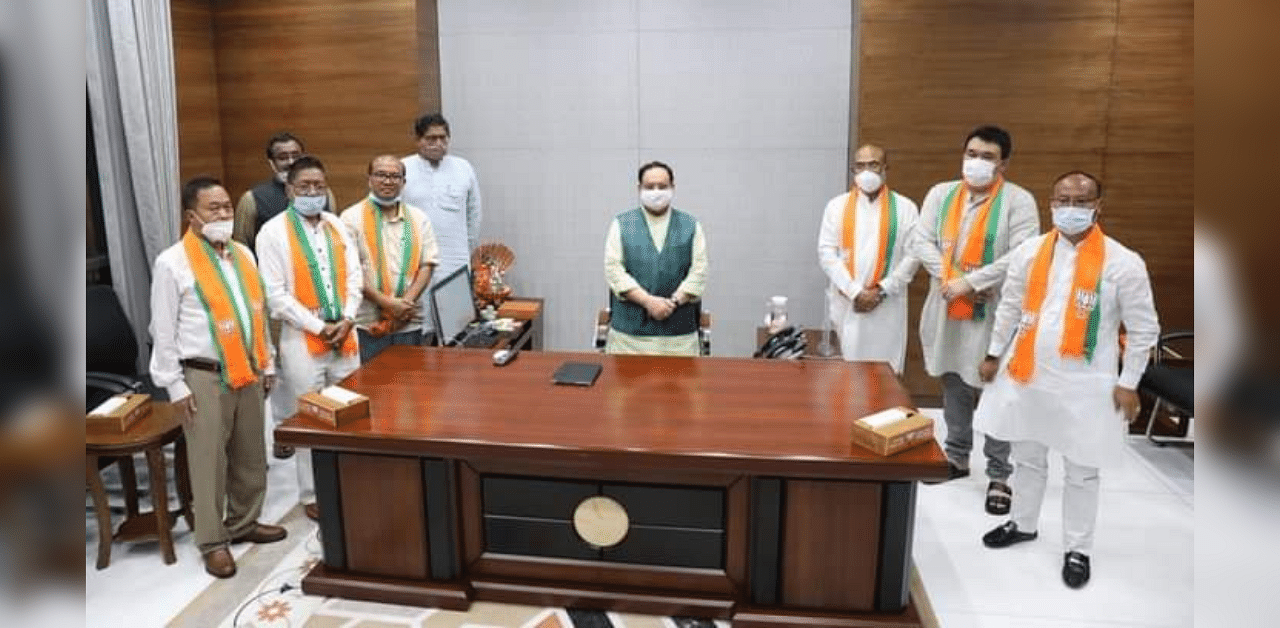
{"x":148,"y":436}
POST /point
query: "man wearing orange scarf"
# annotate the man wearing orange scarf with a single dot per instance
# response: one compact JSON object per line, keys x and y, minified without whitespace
{"x":862,"y":249}
{"x":966,"y":227}
{"x":211,"y":353}
{"x":1052,"y":365}
{"x":312,"y":271}
{"x":397,"y":253}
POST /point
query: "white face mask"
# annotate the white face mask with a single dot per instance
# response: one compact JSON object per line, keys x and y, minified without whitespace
{"x":1072,"y":220}
{"x":978,"y":172}
{"x":868,"y":181}
{"x":385,"y":202}
{"x":217,"y":231}
{"x":309,"y":205}
{"x":655,"y":199}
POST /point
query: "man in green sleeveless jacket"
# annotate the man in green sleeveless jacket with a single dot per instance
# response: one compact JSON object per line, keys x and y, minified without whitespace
{"x":655,"y":261}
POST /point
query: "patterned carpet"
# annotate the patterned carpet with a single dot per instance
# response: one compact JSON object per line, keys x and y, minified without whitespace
{"x":264,"y":594}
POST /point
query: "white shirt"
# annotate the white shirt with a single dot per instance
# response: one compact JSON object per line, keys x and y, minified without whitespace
{"x":1068,"y":403}
{"x":179,"y":323}
{"x":958,"y":346}
{"x":393,"y":251}
{"x":449,"y":194}
{"x":881,"y":334}
{"x":277,"y":270}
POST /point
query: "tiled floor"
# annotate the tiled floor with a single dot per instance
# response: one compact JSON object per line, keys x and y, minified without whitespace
{"x":1142,"y":560}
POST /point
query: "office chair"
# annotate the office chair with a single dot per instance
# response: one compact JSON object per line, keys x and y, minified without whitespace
{"x":111,"y":350}
{"x":1169,"y":379}
{"x":601,"y":335}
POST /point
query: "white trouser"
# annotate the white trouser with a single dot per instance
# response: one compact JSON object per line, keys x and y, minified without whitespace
{"x":1079,"y":494}
{"x":302,"y":372}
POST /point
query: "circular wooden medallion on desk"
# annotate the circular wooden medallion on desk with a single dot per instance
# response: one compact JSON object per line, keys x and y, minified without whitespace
{"x":601,"y":521}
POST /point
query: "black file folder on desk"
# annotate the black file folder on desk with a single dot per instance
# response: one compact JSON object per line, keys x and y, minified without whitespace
{"x":577,"y":374}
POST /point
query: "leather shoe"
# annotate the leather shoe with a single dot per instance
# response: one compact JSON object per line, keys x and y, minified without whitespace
{"x":1075,"y":569}
{"x":219,"y":563}
{"x":261,"y":533}
{"x":953,"y":473}
{"x":1006,"y":535}
{"x":312,"y":511}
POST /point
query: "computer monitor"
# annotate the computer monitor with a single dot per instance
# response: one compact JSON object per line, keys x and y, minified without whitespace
{"x":453,"y":306}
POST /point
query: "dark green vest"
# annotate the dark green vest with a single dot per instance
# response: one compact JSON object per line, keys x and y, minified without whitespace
{"x":658,"y":272}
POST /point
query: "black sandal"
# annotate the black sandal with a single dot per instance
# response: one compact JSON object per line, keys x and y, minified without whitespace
{"x":999,"y":498}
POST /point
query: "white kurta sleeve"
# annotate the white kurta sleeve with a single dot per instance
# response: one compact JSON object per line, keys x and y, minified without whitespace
{"x":473,"y":211}
{"x":355,"y":272}
{"x":615,"y":273}
{"x":924,"y":242}
{"x":166,"y":296}
{"x":273,"y":256}
{"x":829,"y":236}
{"x":905,"y":270}
{"x":1009,"y":310}
{"x":695,"y":282}
{"x":1141,"y":324}
{"x":1024,"y":224}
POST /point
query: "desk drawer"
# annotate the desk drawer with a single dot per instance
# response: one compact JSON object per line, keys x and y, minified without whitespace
{"x":668,"y":506}
{"x":673,"y":547}
{"x":527,"y":497}
{"x":535,"y":537}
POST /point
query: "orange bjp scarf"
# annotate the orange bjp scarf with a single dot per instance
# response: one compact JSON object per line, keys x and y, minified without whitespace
{"x":888,"y":233}
{"x":1080,"y":324}
{"x":308,"y":285}
{"x":411,"y":253}
{"x":978,"y":251}
{"x":243,"y":355}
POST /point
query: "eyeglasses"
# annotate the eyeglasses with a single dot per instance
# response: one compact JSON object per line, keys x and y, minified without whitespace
{"x":388,"y":176}
{"x":310,"y":190}
{"x":1063,"y":201}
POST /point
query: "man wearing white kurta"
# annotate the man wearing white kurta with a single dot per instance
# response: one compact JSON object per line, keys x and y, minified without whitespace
{"x":655,"y":261}
{"x":965,"y":230}
{"x":1049,"y":391}
{"x":869,"y":309}
{"x":445,"y":187}
{"x":318,"y":346}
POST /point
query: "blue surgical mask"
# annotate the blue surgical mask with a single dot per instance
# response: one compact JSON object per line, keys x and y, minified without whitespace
{"x":309,"y":206}
{"x":1073,"y":220}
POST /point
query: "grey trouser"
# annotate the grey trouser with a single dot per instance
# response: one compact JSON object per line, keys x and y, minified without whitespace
{"x":958,"y":401}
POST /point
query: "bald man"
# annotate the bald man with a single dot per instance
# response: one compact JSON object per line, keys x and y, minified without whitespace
{"x":398,"y":253}
{"x":1051,"y":366}
{"x":862,"y":247}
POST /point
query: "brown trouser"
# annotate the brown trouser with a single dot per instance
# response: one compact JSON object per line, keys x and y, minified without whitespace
{"x":228,"y":458}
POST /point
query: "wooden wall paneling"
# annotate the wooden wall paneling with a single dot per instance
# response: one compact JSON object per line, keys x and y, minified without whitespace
{"x":428,"y":57}
{"x":819,"y":517}
{"x":383,"y":512}
{"x":196,"y":78}
{"x":343,"y":76}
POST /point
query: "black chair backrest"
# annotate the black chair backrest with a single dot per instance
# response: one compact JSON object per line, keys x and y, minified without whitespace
{"x":110,"y":345}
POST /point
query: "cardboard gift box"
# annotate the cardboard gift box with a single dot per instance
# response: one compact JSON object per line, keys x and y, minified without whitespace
{"x":334,"y":405}
{"x":890,"y":431}
{"x":117,"y":414}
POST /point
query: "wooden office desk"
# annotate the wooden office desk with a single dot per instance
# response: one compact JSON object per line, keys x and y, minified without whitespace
{"x":745,"y":499}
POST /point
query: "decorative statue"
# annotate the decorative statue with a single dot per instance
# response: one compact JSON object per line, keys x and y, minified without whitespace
{"x":489,"y":263}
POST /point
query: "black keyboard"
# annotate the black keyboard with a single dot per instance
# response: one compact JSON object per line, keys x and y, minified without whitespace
{"x":484,"y":338}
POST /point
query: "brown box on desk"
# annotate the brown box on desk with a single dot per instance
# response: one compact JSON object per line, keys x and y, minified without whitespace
{"x":892,"y":430}
{"x":332,"y":411}
{"x":118,"y":421}
{"x":519,"y":310}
